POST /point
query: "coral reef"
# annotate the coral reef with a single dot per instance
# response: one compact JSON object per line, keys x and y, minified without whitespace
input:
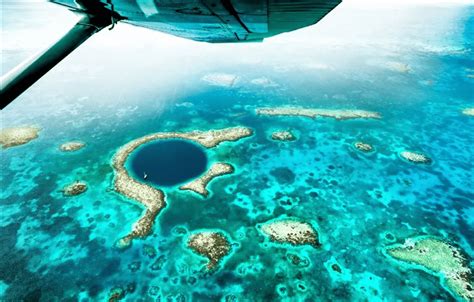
{"x":364,"y":147}
{"x":283,"y":136}
{"x":291,"y":231}
{"x":76,"y":188}
{"x":415,"y":157}
{"x":339,"y":114}
{"x":210,"y":244}
{"x":11,"y":137}
{"x":468,"y":111}
{"x":199,"y":185}
{"x":72,"y":146}
{"x":440,"y":258}
{"x":151,"y":198}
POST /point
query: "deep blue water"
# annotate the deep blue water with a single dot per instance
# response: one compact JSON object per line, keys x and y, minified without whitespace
{"x":168,"y":163}
{"x":107,"y":93}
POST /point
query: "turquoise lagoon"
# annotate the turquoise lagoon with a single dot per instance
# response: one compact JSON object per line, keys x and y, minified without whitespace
{"x":416,"y":72}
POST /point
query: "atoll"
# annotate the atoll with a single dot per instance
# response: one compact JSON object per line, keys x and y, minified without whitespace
{"x":291,"y":231}
{"x":283,"y":136}
{"x":468,"y":111}
{"x":339,"y":114}
{"x":415,"y":157}
{"x":364,"y":147}
{"x":199,"y":185}
{"x":11,"y":137}
{"x":210,"y":244}
{"x":440,"y":258}
{"x":76,"y":188}
{"x":72,"y":146}
{"x":151,"y":198}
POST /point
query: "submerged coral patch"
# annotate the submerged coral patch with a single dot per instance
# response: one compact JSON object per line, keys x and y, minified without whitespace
{"x":440,"y":258}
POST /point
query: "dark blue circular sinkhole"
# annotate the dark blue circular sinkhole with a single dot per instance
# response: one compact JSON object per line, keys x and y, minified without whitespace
{"x":168,"y":162}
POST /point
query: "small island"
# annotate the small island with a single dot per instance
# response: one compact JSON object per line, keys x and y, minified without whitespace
{"x":339,"y":114}
{"x":468,"y":111}
{"x":439,"y":258}
{"x":199,"y":185}
{"x":398,"y":67}
{"x":416,"y":157}
{"x":210,"y":244}
{"x":363,"y":147}
{"x":284,"y":135}
{"x":16,"y":136}
{"x":75,"y":188}
{"x":151,"y":198}
{"x":72,"y":146}
{"x":292,"y":231}
{"x":220,"y":79}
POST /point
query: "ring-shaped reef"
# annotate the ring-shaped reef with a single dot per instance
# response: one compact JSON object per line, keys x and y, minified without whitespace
{"x":153,"y":199}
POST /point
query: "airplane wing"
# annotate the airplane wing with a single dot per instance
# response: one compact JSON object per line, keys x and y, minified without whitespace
{"x":214,"y":21}
{"x":218,"y":21}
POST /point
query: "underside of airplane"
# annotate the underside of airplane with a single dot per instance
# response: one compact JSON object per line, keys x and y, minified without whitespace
{"x":214,"y":21}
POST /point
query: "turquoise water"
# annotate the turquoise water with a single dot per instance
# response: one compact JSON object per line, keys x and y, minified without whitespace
{"x":56,"y":248}
{"x":168,"y":162}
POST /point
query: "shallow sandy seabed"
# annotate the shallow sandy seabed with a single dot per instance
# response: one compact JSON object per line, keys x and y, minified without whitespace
{"x":291,"y":231}
{"x":199,"y":185}
{"x":283,"y":136}
{"x":151,"y":198}
{"x":72,"y":146}
{"x":339,"y":114}
{"x":16,"y":136}
{"x":440,"y":258}
{"x":210,"y":244}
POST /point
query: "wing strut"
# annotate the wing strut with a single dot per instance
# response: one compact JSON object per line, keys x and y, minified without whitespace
{"x":27,"y":73}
